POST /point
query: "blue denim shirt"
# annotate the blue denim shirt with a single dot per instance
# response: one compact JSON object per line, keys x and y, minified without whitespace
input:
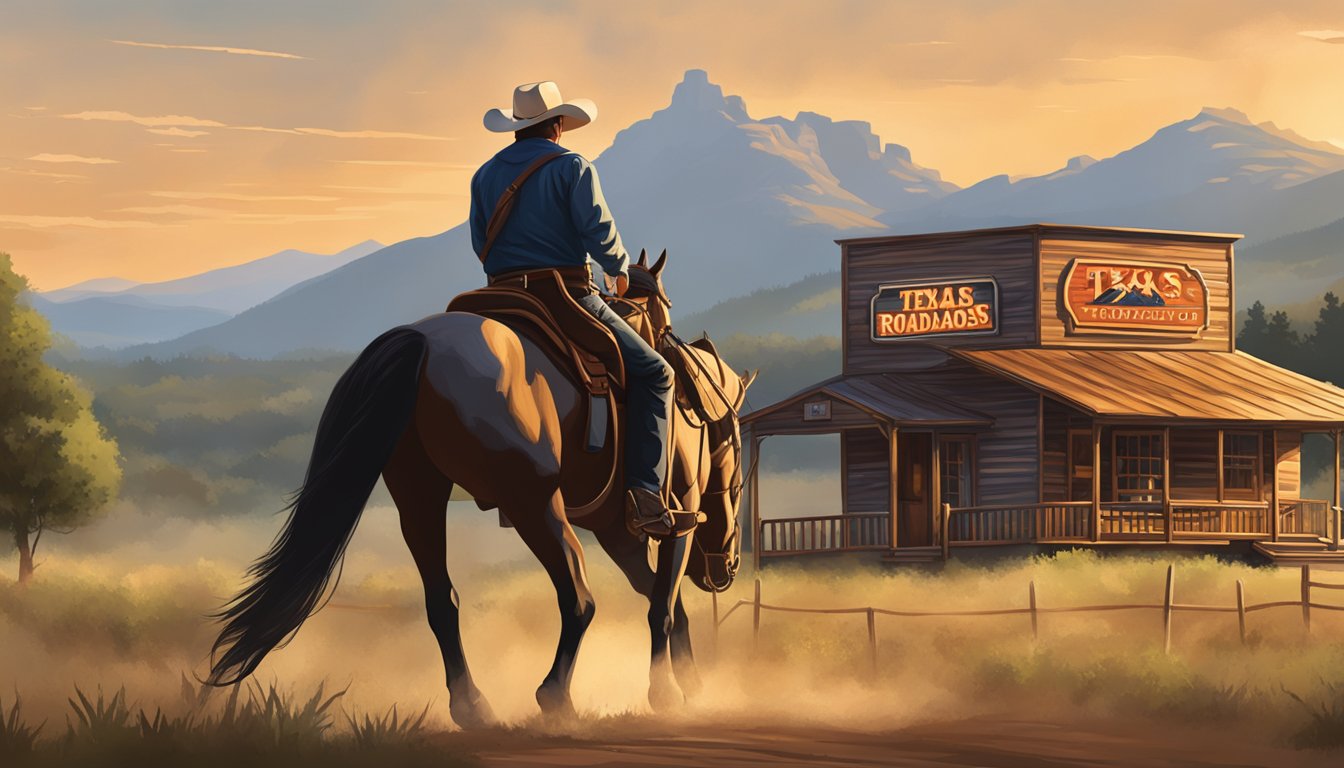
{"x":559,"y":217}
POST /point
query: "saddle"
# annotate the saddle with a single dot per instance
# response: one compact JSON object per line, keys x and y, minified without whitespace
{"x":540,"y":305}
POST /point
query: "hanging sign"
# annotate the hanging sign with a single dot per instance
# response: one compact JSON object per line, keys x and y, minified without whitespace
{"x":961,"y":307}
{"x":1134,"y":297}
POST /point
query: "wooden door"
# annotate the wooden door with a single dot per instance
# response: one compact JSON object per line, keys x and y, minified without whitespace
{"x":914,"y":522}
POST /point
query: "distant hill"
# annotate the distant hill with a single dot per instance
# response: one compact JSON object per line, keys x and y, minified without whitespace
{"x":116,"y":313}
{"x":115,"y":321}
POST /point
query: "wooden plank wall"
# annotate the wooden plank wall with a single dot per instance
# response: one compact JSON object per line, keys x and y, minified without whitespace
{"x":867,"y":481}
{"x":1009,"y":258}
{"x":1194,"y":464}
{"x":1212,"y":260}
{"x":1057,"y":420}
{"x":790,"y":419}
{"x":1290,"y":464}
{"x":1007,"y":469}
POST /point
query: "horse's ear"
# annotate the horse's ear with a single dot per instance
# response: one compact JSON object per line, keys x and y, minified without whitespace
{"x":643,"y":258}
{"x":659,"y":264}
{"x":748,"y":377}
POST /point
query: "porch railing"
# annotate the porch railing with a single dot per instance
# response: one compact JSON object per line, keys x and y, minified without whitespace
{"x":826,"y":533}
{"x":1306,"y":516}
{"x":1020,"y":524}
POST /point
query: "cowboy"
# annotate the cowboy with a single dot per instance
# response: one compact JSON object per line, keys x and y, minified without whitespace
{"x":558,"y":220}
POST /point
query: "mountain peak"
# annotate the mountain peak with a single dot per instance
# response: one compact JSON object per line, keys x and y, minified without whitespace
{"x":1225,"y":113}
{"x":696,"y":93}
{"x":1080,"y":162}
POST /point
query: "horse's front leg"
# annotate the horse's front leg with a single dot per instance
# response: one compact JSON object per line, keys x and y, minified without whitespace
{"x":664,"y":602}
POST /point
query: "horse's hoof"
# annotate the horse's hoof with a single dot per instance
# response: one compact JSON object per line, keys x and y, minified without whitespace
{"x":664,"y":697}
{"x":555,"y":703}
{"x":689,"y":680}
{"x":473,"y":714}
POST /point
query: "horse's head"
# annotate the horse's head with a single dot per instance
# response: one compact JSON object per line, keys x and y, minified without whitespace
{"x":651,"y":310}
{"x":717,"y":546}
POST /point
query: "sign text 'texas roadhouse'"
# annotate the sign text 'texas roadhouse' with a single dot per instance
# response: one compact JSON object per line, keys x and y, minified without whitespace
{"x":949,"y":307}
{"x":1134,"y":297}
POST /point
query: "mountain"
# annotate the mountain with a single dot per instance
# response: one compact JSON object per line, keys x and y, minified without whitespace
{"x":94,"y":287}
{"x":116,"y":321}
{"x":753,"y":205}
{"x":739,"y":204}
{"x":1215,"y":171}
{"x":230,"y":289}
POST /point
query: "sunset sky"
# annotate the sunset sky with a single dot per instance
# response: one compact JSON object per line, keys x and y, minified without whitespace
{"x":154,"y":140}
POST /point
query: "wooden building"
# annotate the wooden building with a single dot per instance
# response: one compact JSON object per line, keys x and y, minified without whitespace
{"x":1051,"y":385}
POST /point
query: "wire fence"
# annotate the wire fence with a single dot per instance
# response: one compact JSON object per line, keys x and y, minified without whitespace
{"x":1169,"y":607}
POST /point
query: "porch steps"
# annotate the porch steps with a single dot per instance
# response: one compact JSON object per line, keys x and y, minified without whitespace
{"x":1299,"y":549}
{"x":913,"y":555}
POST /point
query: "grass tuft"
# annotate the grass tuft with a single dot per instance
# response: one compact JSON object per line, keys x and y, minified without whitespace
{"x":388,"y":730}
{"x":16,"y":736}
{"x":1325,"y":726}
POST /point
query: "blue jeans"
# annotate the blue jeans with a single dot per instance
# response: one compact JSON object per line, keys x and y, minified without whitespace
{"x":648,"y":400}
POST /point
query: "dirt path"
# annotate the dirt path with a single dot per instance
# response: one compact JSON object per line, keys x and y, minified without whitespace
{"x":982,"y":743}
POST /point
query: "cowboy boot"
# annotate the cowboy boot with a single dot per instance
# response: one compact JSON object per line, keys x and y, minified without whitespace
{"x":645,"y":513}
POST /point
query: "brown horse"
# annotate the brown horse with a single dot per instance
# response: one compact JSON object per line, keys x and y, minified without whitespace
{"x":458,"y":398}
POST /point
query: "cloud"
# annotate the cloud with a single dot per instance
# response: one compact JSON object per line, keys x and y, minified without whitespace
{"x":410,"y":164}
{"x":43,"y":222}
{"x":236,"y":196}
{"x":199,"y":212}
{"x":178,"y":121}
{"x":35,"y":109}
{"x":182,"y":132}
{"x":928,"y":42}
{"x":389,"y":190}
{"x":46,"y":174}
{"x":1325,"y":35}
{"x":371,"y":134}
{"x":47,"y":157}
{"x":180,"y":149}
{"x":213,"y":49}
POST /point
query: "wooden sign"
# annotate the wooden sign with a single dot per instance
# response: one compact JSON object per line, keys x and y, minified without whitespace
{"x":1134,"y":297}
{"x":817,"y":410}
{"x":961,"y":307}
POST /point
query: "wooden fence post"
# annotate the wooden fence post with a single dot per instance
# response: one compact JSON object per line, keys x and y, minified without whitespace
{"x":1306,"y":597}
{"x":946,"y":531}
{"x":756,"y":618}
{"x":872,"y":638}
{"x":1166,"y":608}
{"x":1031,"y":594}
{"x":1241,"y":609}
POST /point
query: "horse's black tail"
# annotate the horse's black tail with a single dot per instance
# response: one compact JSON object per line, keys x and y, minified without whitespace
{"x":365,"y":416}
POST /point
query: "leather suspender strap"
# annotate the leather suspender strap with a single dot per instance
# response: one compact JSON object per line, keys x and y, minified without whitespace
{"x":504,"y":205}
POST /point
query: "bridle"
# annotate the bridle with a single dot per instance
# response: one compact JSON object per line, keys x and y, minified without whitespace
{"x":664,"y":335}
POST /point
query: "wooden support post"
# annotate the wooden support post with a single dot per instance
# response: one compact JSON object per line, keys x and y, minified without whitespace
{"x":935,"y":481}
{"x":893,"y":482}
{"x":1096,"y":481}
{"x":1167,"y":602}
{"x":1241,"y":609}
{"x":945,"y":524}
{"x":1274,"y":523}
{"x":1166,"y":485}
{"x":755,"y":488}
{"x":1221,"y":480}
{"x":1031,"y":598}
{"x":756,"y":618}
{"x":1306,"y":597}
{"x":872,"y":638}
{"x":1335,"y":514}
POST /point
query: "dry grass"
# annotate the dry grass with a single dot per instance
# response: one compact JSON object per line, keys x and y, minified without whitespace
{"x":101,"y":620}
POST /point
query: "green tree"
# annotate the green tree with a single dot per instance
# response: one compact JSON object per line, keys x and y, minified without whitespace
{"x":1253,"y":334}
{"x":57,"y":468}
{"x":1270,"y":338}
{"x":1325,"y":346}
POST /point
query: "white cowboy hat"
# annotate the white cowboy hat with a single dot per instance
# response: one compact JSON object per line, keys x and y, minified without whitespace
{"x":535,"y":102}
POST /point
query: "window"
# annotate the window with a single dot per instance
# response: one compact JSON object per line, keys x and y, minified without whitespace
{"x":954,"y":466}
{"x":1138,"y":466}
{"x":1241,"y":464}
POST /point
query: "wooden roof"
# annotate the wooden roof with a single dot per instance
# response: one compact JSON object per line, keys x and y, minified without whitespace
{"x":886,"y":398}
{"x":1055,"y":230}
{"x":1167,"y":385}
